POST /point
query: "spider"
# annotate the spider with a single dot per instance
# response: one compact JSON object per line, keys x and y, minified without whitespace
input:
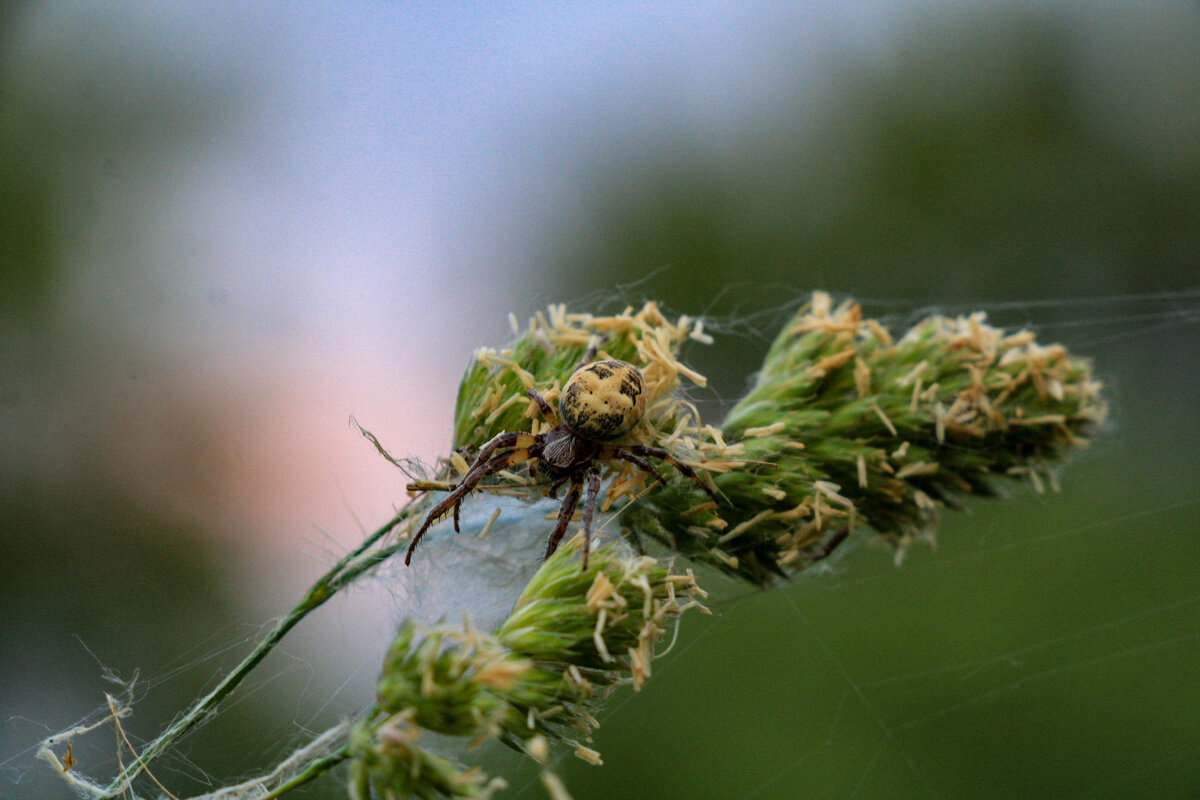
{"x":601,"y":401}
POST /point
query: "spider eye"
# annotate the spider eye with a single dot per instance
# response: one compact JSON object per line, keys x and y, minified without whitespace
{"x":603,"y":400}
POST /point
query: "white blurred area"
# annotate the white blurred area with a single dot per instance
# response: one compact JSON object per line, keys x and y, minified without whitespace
{"x":348,"y":230}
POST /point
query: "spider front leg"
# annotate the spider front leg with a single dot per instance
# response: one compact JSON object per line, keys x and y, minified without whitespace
{"x":501,"y":441}
{"x":478,"y":471}
{"x":564,"y":517}
{"x":544,"y":407}
{"x":589,"y":355}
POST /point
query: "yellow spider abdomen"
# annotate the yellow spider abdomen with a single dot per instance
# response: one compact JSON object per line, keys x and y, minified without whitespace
{"x":603,"y":400}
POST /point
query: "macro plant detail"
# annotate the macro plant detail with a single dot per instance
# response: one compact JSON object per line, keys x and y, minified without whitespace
{"x":601,"y":401}
{"x":846,"y":429}
{"x":574,"y":636}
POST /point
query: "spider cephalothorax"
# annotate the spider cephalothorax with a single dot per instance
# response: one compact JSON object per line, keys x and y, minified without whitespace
{"x":601,"y":401}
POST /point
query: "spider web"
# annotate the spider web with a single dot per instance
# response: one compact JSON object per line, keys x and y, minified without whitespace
{"x":1039,"y":620}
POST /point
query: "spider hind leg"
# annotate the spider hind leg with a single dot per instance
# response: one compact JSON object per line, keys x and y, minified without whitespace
{"x":564,"y":517}
{"x":589,"y":511}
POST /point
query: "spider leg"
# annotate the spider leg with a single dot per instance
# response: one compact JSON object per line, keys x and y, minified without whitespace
{"x":554,"y":487}
{"x":544,"y":407}
{"x":641,"y":463}
{"x":474,"y":475}
{"x":502,"y":441}
{"x":512,"y":440}
{"x":589,"y":510}
{"x":827,"y":549}
{"x":498,"y":442}
{"x":593,"y":347}
{"x":663,"y":455}
{"x":564,"y":517}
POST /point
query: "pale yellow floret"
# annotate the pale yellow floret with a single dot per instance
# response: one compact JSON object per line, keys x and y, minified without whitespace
{"x":887,"y":422}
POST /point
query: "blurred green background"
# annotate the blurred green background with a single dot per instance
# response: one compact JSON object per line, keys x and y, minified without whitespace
{"x":195,"y":294}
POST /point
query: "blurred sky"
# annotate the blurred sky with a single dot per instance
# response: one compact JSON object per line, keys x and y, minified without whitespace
{"x":353,"y":214}
{"x":269,"y":219}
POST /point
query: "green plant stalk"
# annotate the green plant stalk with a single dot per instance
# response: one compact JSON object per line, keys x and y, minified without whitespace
{"x":314,"y":770}
{"x":336,"y":578}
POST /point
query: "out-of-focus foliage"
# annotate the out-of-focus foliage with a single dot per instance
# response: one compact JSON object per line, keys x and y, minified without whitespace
{"x":101,"y":570}
{"x":967,"y":160}
{"x":83,"y":120}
